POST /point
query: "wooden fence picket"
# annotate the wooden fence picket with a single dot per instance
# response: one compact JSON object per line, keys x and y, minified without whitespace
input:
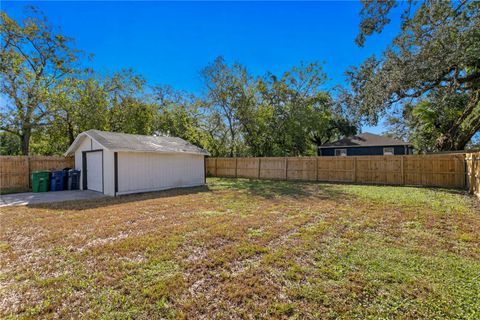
{"x":436,"y":170}
{"x":16,"y":171}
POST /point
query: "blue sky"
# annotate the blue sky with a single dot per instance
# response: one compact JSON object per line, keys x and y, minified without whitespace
{"x":169,"y":43}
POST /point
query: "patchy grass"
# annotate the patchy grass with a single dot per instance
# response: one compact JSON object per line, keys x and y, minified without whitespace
{"x":246,"y":249}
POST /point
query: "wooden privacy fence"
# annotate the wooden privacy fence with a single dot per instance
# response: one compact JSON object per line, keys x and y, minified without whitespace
{"x":447,"y":170}
{"x":473,"y":173}
{"x":16,"y":171}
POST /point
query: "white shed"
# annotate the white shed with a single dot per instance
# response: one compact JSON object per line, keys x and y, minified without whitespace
{"x":119,"y":163}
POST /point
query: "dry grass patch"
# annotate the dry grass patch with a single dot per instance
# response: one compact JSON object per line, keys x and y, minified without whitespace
{"x":245,"y":249}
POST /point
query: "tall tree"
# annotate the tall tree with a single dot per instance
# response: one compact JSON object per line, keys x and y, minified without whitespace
{"x":34,"y":58}
{"x":227,"y":88}
{"x":179,"y":114}
{"x":78,"y":105}
{"x":435,"y":56}
{"x":301,"y":109}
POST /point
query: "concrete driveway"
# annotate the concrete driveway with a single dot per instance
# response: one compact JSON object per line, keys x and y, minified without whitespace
{"x":21,"y":199}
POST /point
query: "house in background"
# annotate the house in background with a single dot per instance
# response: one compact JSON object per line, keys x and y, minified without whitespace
{"x":366,"y":144}
{"x":118,"y":163}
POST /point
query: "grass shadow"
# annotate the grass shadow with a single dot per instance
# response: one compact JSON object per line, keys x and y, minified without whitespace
{"x":110,"y":201}
{"x":439,"y":199}
{"x":270,"y":189}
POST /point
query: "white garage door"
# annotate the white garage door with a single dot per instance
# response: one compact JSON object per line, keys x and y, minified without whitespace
{"x":95,"y":171}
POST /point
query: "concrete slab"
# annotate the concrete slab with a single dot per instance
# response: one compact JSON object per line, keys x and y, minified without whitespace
{"x":22,"y":199}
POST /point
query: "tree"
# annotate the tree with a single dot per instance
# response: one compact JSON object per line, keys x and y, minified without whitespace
{"x":301,"y":110}
{"x":9,"y":144}
{"x":333,"y":127}
{"x":34,"y":59}
{"x":423,"y":123}
{"x":435,"y":56}
{"x":270,"y":115}
{"x":78,"y":105}
{"x":178,"y":114}
{"x":227,"y":91}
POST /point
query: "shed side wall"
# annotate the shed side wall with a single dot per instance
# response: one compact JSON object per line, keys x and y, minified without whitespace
{"x":141,"y":172}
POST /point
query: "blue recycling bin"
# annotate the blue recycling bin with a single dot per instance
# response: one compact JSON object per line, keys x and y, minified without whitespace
{"x":56,"y":180}
{"x":73,"y":179}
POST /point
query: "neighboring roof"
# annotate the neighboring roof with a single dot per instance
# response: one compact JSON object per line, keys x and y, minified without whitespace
{"x":365,"y":140}
{"x":115,"y":141}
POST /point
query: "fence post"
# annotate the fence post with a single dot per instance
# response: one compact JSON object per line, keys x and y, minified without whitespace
{"x":402,"y":170}
{"x":216,"y":175}
{"x":472,"y":174}
{"x":236,"y":166}
{"x":476,"y":184}
{"x":286,"y":168}
{"x":316,"y":169}
{"x":29,"y":174}
{"x":259,"y":166}
{"x":355,"y":169}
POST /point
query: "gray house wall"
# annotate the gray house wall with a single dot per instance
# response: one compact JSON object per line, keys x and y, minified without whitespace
{"x":365,"y":151}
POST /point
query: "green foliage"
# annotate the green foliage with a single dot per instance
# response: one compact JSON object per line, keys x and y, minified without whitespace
{"x":132,"y":116}
{"x":434,"y":59}
{"x":270,"y":115}
{"x":34,"y":60}
{"x":179,"y":115}
{"x":240,"y":114}
{"x":9,"y":144}
{"x":425,"y":122}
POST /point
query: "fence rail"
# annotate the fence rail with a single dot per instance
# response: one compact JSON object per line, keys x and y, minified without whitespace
{"x":446,"y":170}
{"x":16,"y":171}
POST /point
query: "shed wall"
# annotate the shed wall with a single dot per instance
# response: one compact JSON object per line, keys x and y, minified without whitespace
{"x":142,"y":172}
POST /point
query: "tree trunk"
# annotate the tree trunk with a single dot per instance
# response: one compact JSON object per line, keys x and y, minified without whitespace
{"x":71,"y":134}
{"x":25,"y":137}
{"x":232,"y":134}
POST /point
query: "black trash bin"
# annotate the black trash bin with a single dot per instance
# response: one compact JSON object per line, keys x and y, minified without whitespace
{"x":65,"y":178}
{"x":73,"y":179}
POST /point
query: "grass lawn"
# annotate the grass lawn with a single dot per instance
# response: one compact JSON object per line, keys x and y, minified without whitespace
{"x":246,"y":249}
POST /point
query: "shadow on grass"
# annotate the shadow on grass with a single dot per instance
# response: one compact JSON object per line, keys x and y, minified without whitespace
{"x":336,"y":191}
{"x":278,"y":188}
{"x":111,"y":201}
{"x":271,"y":189}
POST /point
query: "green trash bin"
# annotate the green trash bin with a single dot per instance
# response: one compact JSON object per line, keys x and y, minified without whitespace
{"x":40,"y":181}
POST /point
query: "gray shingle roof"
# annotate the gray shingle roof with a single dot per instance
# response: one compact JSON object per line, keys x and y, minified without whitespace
{"x":115,"y":141}
{"x":365,"y":140}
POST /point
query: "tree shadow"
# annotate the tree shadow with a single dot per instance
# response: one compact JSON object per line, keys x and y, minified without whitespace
{"x":111,"y":201}
{"x":336,"y":191}
{"x":270,"y":189}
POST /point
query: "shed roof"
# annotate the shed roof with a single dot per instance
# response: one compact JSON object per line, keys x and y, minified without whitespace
{"x":124,"y":142}
{"x":365,"y":139}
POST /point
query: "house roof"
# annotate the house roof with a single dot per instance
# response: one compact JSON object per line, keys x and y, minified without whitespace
{"x":115,"y":141}
{"x":365,"y":140}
